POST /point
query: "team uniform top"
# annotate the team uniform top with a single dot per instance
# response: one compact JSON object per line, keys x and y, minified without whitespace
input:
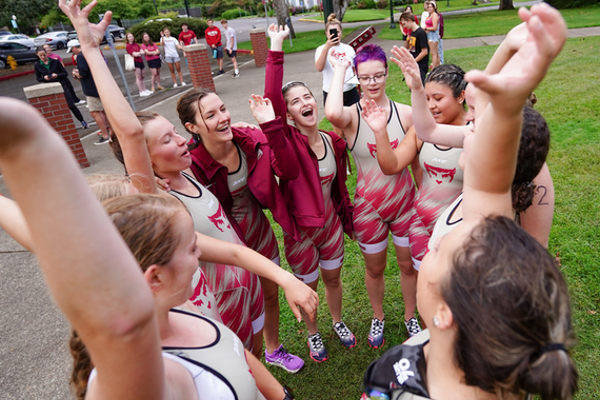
{"x":170,"y":46}
{"x":187,"y":37}
{"x":441,"y":184}
{"x":342,"y":52}
{"x":446,"y":221}
{"x":134,"y":48}
{"x":238,"y":293}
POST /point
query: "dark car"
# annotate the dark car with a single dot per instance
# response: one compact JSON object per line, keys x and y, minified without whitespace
{"x":116,"y":31}
{"x":22,"y":54}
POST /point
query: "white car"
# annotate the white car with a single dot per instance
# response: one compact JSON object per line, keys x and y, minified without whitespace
{"x":58,"y":39}
{"x":19,"y":38}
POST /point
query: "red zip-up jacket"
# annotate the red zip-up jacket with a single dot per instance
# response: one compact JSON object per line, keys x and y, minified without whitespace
{"x":267,"y":153}
{"x":303,"y":195}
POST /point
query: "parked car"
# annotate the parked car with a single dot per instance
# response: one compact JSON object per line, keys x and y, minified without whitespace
{"x":19,"y":38}
{"x":21,"y":53}
{"x":4,"y":33}
{"x":58,"y":39}
{"x":116,"y":31}
{"x":73,"y":35}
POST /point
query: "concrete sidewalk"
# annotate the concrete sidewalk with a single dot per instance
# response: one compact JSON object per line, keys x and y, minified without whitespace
{"x":34,"y":358}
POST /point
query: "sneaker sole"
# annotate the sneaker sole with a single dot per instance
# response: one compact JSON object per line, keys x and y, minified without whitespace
{"x":350,"y":347}
{"x":314,"y":359}
{"x":276,"y":364}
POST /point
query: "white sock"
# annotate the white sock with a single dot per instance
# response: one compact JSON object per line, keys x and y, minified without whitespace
{"x":237,"y":71}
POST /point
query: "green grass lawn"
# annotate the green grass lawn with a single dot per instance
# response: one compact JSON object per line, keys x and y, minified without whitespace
{"x":568,"y":99}
{"x":498,"y":23}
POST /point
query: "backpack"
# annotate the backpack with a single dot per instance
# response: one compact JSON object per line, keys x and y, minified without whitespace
{"x":400,"y":371}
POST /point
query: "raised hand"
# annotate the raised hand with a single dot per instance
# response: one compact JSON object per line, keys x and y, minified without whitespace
{"x":409,"y":67}
{"x":277,"y":35}
{"x":339,"y":63}
{"x":375,"y":117}
{"x":525,"y":70}
{"x":262,"y":109}
{"x":88,"y":34}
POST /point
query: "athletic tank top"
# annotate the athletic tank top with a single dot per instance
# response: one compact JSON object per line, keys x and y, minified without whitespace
{"x":224,"y":358}
{"x":441,"y":184}
{"x":446,"y":222}
{"x":247,"y":211}
{"x":207,"y":213}
{"x":391,"y":195}
{"x":327,"y":173}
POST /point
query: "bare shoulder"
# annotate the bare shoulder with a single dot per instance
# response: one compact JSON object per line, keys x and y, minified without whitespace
{"x":405,"y":113}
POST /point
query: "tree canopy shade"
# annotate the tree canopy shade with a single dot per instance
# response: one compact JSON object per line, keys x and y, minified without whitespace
{"x":28,"y":12}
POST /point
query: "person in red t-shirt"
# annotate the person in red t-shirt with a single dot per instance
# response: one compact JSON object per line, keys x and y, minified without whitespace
{"x":213,"y":39}
{"x":187,"y":37}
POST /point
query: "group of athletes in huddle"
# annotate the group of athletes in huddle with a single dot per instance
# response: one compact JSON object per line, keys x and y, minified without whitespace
{"x":226,"y":175}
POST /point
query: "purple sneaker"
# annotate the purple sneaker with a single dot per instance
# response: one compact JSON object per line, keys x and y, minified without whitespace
{"x":285,"y":360}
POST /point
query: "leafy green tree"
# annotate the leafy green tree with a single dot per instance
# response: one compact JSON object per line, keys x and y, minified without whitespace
{"x":28,"y":12}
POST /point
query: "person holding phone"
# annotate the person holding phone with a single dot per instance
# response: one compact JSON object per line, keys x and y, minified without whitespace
{"x":334,"y":47}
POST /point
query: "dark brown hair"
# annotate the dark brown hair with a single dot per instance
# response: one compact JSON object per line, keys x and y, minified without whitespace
{"x":450,"y":75}
{"x":509,"y":302}
{"x":407,"y":16}
{"x":533,"y":150}
{"x":144,"y":117}
{"x":147,"y":224}
{"x":149,"y":42}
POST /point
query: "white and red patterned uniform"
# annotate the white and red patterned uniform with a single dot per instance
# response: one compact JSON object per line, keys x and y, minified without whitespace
{"x":324,"y":245}
{"x":384,"y":203}
{"x":238,"y":292}
{"x":441,"y":184}
{"x":248,"y":213}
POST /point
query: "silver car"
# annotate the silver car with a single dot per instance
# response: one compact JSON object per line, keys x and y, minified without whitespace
{"x":58,"y":39}
{"x":19,"y":38}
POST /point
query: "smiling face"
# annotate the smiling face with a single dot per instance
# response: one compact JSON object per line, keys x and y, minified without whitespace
{"x":130,"y":38}
{"x":212,"y":120}
{"x":372,"y":68}
{"x":168,"y":150}
{"x":301,"y":106}
{"x":445,"y":108}
{"x":178,"y":272}
{"x":48,"y":49}
{"x":167,"y":32}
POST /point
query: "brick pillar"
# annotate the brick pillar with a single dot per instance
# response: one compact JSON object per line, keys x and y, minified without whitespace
{"x":49,"y":99}
{"x":199,"y":66}
{"x":260,"y":48}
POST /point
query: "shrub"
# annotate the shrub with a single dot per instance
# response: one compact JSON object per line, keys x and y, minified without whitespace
{"x":233,"y":14}
{"x":366,"y":4}
{"x":572,"y":3}
{"x":153,"y":28}
{"x":382,"y":4}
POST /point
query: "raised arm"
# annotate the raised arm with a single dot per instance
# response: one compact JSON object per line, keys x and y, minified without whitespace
{"x":426,"y":128}
{"x":491,"y":165}
{"x":537,"y":219}
{"x":274,"y":72}
{"x":335,"y":112}
{"x":390,"y":160}
{"x":89,"y":270}
{"x":13,"y":222}
{"x":296,"y":292}
{"x":122,"y":118}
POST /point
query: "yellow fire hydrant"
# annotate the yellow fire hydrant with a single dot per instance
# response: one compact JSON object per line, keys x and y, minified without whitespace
{"x":12,"y":62}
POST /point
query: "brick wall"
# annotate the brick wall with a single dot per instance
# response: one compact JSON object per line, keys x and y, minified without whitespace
{"x":258,"y":37}
{"x":49,"y":100}
{"x":199,"y":66}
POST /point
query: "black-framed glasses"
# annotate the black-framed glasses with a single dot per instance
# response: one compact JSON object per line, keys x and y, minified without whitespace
{"x":376,"y":78}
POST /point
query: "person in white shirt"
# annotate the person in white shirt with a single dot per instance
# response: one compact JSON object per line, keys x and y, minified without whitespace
{"x":231,"y":46}
{"x":341,"y":51}
{"x":170,"y":46}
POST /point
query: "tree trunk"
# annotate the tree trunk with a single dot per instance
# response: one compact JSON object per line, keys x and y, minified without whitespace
{"x":282,"y":13}
{"x":339,"y":8}
{"x":506,"y":5}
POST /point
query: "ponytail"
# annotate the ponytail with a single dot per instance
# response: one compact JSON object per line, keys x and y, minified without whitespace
{"x":82,"y":365}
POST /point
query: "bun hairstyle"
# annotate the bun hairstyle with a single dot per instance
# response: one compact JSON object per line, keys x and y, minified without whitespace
{"x":533,"y":150}
{"x":450,"y":75}
{"x":511,"y":310}
{"x":331,"y":20}
{"x":147,"y":225}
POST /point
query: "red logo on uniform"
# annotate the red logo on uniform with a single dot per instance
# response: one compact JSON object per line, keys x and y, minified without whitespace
{"x":219,"y":218}
{"x":439,"y":174}
{"x":373,"y":147}
{"x":326,"y":179}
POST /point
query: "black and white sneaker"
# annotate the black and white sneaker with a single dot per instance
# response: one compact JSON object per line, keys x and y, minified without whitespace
{"x":346,"y":336}
{"x":412,"y":326}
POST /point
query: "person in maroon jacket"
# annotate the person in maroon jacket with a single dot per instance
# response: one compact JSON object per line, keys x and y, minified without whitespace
{"x":213,"y":39}
{"x":239,"y":167}
{"x":317,"y":199}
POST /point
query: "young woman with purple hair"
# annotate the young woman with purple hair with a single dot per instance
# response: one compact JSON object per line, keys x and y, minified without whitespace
{"x":381,"y":203}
